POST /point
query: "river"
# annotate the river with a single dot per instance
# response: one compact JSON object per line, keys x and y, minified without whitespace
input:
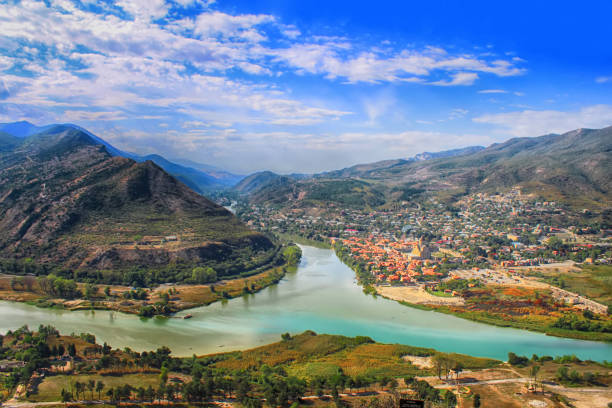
{"x":321,"y":296}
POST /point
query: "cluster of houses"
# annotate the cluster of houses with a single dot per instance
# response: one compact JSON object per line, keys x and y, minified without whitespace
{"x":487,"y":230}
{"x":394,"y":261}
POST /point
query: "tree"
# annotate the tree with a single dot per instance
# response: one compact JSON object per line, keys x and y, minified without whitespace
{"x":203,"y":275}
{"x":163,"y":376}
{"x":91,"y":384}
{"x":575,"y":377}
{"x":79,"y":388}
{"x":438,"y":363}
{"x":65,"y":396}
{"x":534,"y":373}
{"x":450,"y":400}
{"x":72,"y":350}
{"x":458,"y":369}
{"x":90,"y":290}
{"x":99,"y":388}
{"x":562,"y":373}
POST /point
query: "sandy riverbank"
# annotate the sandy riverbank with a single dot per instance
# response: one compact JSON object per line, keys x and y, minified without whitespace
{"x":417,"y":295}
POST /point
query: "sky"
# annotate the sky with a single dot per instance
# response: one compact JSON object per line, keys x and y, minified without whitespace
{"x":306,"y":86}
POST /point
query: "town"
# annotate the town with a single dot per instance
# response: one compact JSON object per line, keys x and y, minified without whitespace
{"x":507,"y":255}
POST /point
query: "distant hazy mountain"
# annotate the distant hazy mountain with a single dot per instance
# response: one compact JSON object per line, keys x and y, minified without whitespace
{"x":448,"y":153}
{"x":66,"y":202}
{"x":257,"y":181}
{"x":222,"y":176}
{"x":575,"y":167}
{"x":20,"y":129}
{"x":202,"y":178}
{"x":362,"y":169}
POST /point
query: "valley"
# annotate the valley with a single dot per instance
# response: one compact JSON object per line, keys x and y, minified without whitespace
{"x":91,"y":234}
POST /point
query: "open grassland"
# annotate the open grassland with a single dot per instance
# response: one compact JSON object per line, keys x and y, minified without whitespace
{"x":50,"y":388}
{"x":592,"y":281}
{"x":308,"y":356}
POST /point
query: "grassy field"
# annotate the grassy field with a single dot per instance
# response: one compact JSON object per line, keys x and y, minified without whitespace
{"x":308,"y":355}
{"x":439,"y":293}
{"x":51,"y":387}
{"x":593,"y":281}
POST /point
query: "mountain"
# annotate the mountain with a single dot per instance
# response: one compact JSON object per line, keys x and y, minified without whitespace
{"x":361,"y":169}
{"x":20,"y":129}
{"x":574,"y":167}
{"x":257,"y":181}
{"x":448,"y":153}
{"x":67,"y":204}
{"x":201,"y":178}
{"x":195,"y":179}
{"x":223,"y":177}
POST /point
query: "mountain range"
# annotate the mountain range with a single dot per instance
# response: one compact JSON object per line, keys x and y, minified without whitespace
{"x":574,"y":167}
{"x":201,"y":178}
{"x":68,"y":203}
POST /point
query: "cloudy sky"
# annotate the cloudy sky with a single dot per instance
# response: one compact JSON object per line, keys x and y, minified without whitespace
{"x":305,"y":86}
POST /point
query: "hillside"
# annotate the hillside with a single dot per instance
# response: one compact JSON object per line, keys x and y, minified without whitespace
{"x":574,"y":168}
{"x":199,"y":177}
{"x":66,"y":203}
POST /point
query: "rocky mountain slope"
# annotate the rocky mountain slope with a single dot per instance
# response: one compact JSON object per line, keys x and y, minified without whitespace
{"x":66,"y":202}
{"x":575,"y":167}
{"x":199,"y":177}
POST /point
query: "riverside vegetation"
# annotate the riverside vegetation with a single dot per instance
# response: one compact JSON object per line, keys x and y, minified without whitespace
{"x":305,"y":369}
{"x":201,"y":288}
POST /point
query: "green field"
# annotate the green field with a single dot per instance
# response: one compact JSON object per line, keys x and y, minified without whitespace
{"x":593,"y":281}
{"x":309,"y":355}
{"x":51,"y":387}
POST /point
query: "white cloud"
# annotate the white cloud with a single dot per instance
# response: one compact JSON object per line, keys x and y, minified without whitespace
{"x":457,"y":113}
{"x":408,"y":65}
{"x":144,"y":9}
{"x":534,"y":123}
{"x":603,"y":79}
{"x":460,"y":78}
{"x":207,"y":73}
{"x":76,"y":115}
{"x":492,"y":91}
{"x":217,"y":23}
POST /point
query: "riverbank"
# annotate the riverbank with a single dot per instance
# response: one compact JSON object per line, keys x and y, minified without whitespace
{"x":308,"y":368}
{"x":517,"y":306}
{"x":298,"y":239}
{"x":165,"y":299}
{"x":321,"y":296}
{"x":535,"y":323}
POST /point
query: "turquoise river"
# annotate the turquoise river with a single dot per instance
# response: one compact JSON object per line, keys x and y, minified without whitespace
{"x":321,"y":296}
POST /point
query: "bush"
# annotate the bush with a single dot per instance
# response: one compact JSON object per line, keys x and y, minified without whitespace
{"x":515,"y":360}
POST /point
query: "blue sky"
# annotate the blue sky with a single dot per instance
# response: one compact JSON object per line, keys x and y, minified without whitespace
{"x":305,"y":86}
